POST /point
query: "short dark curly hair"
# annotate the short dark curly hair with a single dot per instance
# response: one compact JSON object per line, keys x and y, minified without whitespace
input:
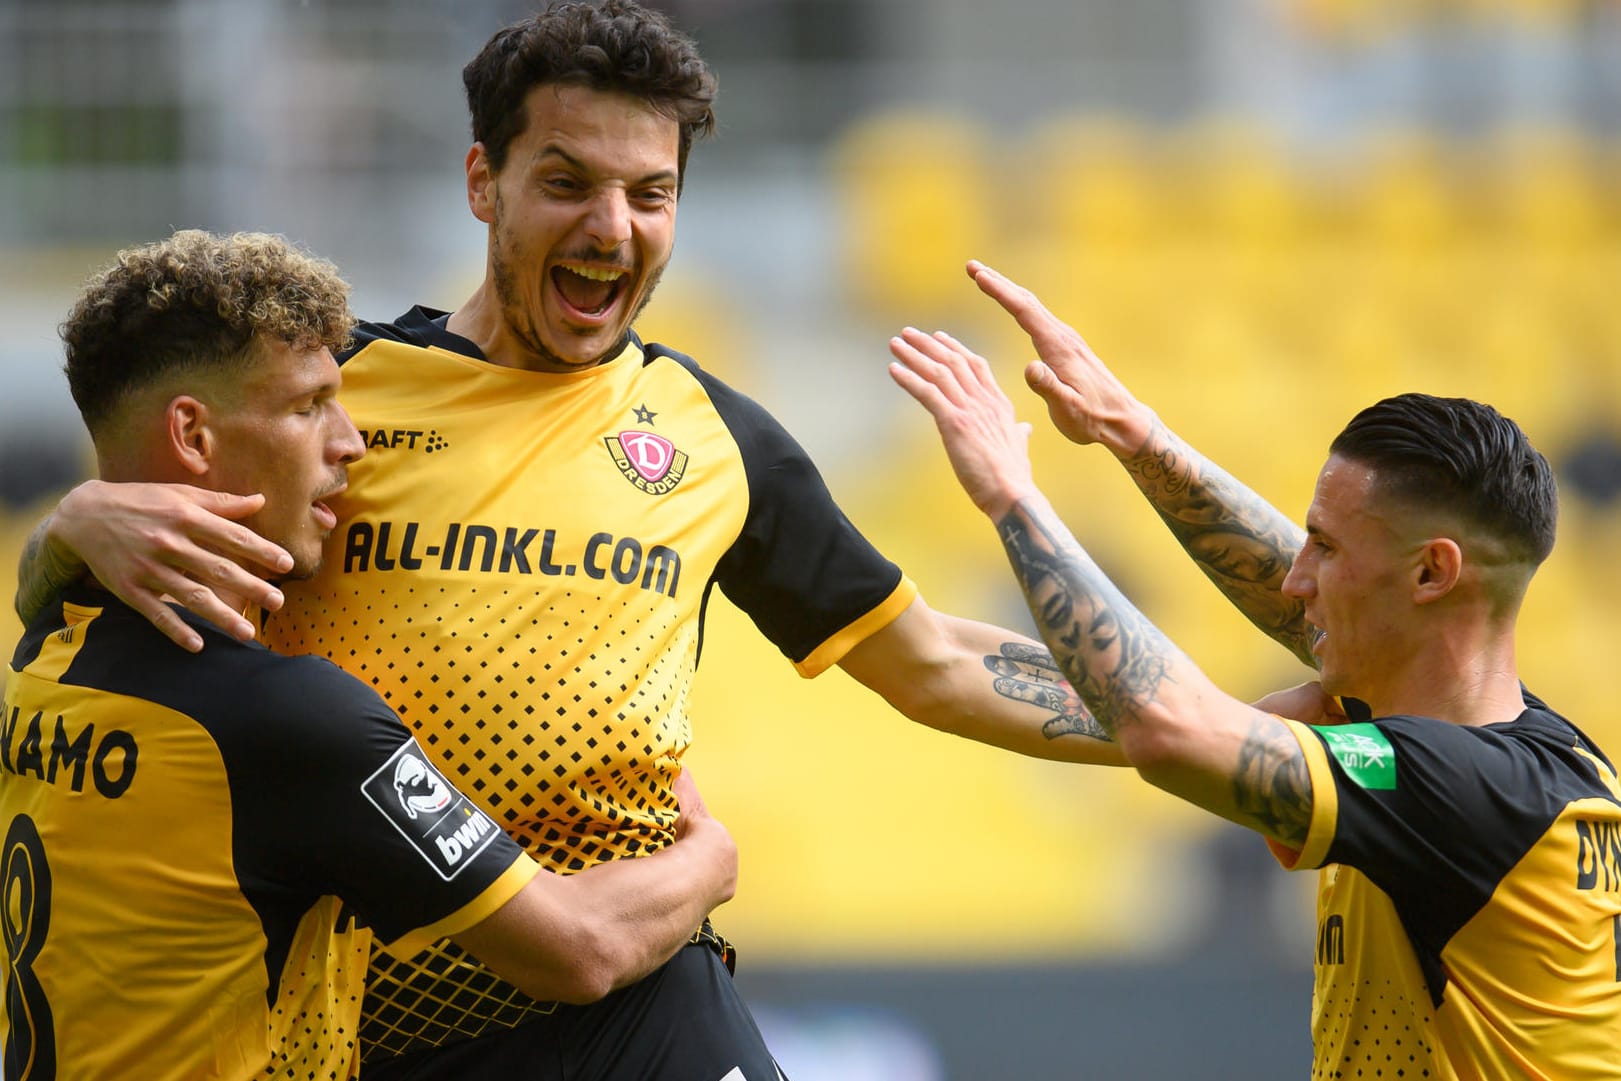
{"x":616,"y":46}
{"x":195,"y":301}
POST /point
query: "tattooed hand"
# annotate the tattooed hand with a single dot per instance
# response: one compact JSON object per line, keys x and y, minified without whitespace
{"x":1028,"y":674}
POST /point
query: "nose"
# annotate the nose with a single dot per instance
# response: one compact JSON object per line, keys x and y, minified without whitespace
{"x":346,"y":445}
{"x":607,"y":221}
{"x":1299,"y":582}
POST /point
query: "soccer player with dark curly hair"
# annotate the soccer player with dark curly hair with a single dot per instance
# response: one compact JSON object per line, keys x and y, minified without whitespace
{"x":529,"y":546}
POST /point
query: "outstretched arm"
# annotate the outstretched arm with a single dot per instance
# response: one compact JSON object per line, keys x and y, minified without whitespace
{"x":981,"y":682}
{"x":152,"y":543}
{"x":1240,"y":541}
{"x":1173,"y":725}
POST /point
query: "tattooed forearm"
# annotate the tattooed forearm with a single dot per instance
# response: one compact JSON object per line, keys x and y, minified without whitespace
{"x":40,"y":576}
{"x":1114,"y":658}
{"x":1272,"y":787}
{"x":1028,"y":674}
{"x":1239,"y":540}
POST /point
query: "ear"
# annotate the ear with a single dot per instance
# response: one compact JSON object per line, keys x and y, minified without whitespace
{"x":190,"y":439}
{"x":480,"y":185}
{"x":1440,"y":564}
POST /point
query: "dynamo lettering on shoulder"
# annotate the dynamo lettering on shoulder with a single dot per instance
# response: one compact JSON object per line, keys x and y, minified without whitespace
{"x":439,"y":822}
{"x":1364,"y":752}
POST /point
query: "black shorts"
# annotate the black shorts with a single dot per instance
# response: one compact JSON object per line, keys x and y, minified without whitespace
{"x":685,"y":1022}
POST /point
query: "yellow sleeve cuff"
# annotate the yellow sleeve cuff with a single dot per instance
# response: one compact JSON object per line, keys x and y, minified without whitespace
{"x":499,"y":892}
{"x":831,"y":651}
{"x":1325,"y":805}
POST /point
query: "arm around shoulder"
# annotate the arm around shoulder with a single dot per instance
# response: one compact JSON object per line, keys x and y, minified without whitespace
{"x":152,"y":543}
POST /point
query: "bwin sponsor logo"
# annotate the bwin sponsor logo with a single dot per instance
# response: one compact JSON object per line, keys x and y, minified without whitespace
{"x":438,"y":822}
{"x":465,"y":839}
{"x":419,"y":789}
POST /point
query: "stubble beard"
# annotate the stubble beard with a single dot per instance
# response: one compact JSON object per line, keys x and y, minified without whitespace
{"x":520,"y":319}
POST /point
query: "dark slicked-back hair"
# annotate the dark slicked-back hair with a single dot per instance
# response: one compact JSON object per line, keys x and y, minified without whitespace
{"x":192,"y":302}
{"x":616,"y":46}
{"x":1462,"y":457}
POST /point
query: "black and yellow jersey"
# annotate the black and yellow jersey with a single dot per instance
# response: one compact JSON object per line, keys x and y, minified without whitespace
{"x":1469,"y":899}
{"x":522,"y":568}
{"x":179,"y":829}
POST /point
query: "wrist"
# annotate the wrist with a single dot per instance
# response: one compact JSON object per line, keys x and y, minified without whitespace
{"x":1131,"y":436}
{"x":1007,"y":501}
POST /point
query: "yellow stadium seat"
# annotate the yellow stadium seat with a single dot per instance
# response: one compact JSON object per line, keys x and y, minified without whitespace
{"x":1408,"y":201}
{"x":913,"y":197}
{"x":1547,"y":191}
{"x":1092,"y":184}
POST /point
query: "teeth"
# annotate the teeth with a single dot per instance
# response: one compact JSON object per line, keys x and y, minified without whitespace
{"x":597,"y":274}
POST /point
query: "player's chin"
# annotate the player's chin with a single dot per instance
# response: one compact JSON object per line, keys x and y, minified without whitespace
{"x":308,"y":555}
{"x":587,"y":337}
{"x":1333,"y":681}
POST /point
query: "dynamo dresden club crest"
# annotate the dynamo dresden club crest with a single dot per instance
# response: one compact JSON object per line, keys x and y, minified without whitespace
{"x":648,"y":461}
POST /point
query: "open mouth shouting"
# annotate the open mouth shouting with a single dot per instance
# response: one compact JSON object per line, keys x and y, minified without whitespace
{"x":589,"y":294}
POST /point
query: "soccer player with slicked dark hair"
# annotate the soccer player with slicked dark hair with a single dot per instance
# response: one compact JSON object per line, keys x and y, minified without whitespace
{"x":1469,"y":898}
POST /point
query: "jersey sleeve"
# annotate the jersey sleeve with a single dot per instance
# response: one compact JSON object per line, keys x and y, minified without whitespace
{"x":341,"y":800}
{"x":807,"y":577}
{"x":1324,"y":805}
{"x":1433,"y":813}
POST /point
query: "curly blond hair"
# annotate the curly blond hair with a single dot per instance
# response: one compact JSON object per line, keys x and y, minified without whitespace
{"x":193,"y":302}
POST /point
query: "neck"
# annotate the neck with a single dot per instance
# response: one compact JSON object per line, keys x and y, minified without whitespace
{"x":479,"y":321}
{"x":1461,"y":683}
{"x":482,"y":321}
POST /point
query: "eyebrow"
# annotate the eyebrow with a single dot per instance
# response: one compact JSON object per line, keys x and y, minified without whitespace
{"x":553,"y":150}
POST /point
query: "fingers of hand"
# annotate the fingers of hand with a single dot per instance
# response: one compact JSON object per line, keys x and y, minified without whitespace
{"x":241,"y":545}
{"x":228,"y":505}
{"x":1055,"y":340}
{"x":172,"y":626}
{"x":224,"y":557}
{"x":920,"y":374}
{"x":201,"y":601}
{"x":1052,"y":389}
{"x":146,"y":595}
{"x":1025,"y":307}
{"x":971,"y":362}
{"x":961,"y":374}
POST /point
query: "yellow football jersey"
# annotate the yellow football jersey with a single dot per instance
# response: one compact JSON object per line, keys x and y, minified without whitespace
{"x":1469,"y":900}
{"x":179,"y":829}
{"x":521,"y":570}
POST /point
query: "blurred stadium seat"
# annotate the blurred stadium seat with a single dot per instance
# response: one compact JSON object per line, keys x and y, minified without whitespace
{"x":915,"y":204}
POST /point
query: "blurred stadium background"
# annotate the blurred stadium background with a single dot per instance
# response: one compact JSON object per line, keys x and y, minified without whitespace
{"x":1263,"y":213}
